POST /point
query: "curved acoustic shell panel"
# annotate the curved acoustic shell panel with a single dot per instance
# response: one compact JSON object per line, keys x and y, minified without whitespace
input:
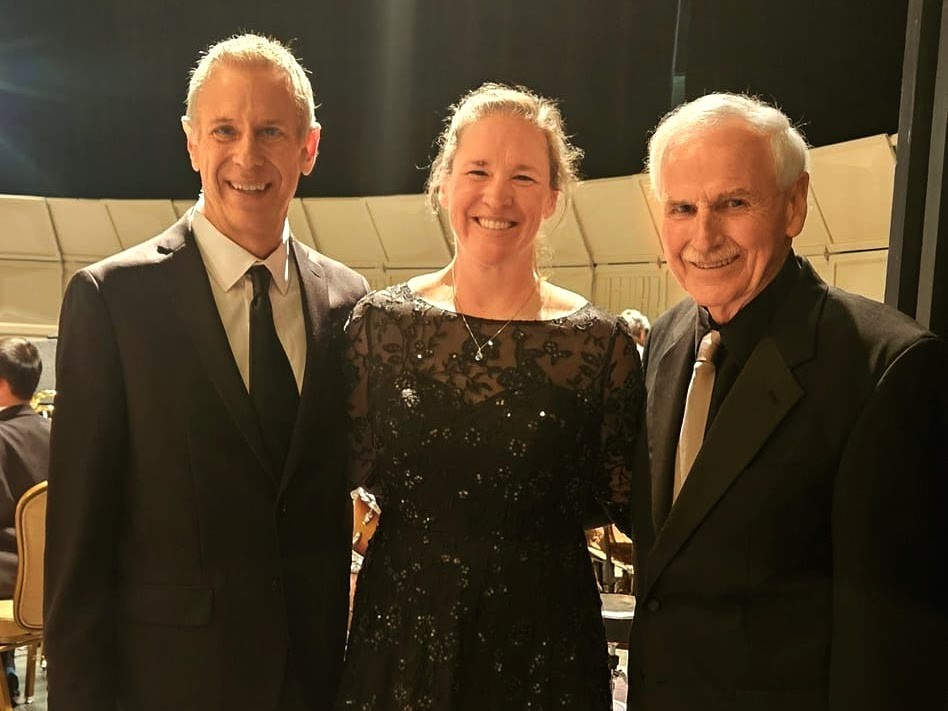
{"x":614,"y":216}
{"x":140,"y":220}
{"x":853,"y":182}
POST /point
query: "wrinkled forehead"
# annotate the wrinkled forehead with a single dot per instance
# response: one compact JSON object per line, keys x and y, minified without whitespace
{"x":719,"y":155}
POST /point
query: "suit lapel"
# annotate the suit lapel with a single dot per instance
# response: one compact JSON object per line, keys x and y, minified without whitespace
{"x":666,"y":403}
{"x":760,"y":398}
{"x":764,"y":392}
{"x":197,"y":310}
{"x":315,"y":295}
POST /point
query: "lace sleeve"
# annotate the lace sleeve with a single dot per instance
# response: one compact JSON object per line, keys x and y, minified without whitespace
{"x":623,"y":402}
{"x":361,"y":432}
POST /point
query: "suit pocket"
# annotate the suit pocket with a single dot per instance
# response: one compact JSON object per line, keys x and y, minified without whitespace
{"x":178,"y":605}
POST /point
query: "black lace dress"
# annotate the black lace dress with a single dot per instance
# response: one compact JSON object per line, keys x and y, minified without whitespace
{"x":477,"y":590}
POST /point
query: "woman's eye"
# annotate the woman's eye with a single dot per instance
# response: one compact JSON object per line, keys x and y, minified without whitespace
{"x":271,"y":132}
{"x":524,"y":179}
{"x":223,"y":131}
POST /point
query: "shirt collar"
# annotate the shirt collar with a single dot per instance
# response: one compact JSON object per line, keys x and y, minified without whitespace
{"x":227,"y":262}
{"x":740,"y":335}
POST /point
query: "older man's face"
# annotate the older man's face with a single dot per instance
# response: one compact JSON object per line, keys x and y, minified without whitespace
{"x":726,"y":228}
{"x":247,"y":142}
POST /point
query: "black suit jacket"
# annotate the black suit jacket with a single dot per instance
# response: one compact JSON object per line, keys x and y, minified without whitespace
{"x":24,"y":461}
{"x":801,"y":566}
{"x":181,"y":570}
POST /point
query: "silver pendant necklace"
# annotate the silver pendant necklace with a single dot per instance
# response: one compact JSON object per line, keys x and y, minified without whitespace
{"x":479,"y":348}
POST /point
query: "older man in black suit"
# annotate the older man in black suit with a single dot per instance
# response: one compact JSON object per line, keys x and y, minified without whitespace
{"x":24,"y":455}
{"x":798,"y":447}
{"x":199,"y":520}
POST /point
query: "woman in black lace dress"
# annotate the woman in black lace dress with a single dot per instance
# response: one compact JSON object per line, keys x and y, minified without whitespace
{"x":490,"y":408}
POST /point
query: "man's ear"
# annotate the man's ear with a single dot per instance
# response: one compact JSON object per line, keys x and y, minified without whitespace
{"x":311,"y":149}
{"x":190,"y":132}
{"x":797,"y":205}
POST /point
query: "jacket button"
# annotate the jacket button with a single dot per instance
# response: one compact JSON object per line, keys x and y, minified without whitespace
{"x":653,"y":605}
{"x":283,"y":508}
{"x":275,"y":584}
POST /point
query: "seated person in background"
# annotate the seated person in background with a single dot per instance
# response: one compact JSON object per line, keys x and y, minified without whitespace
{"x":24,"y":456}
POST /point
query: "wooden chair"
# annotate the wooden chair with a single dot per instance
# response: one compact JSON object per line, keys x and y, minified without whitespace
{"x":21,"y":619}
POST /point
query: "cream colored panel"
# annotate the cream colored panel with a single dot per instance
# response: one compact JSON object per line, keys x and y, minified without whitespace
{"x":342,"y":229}
{"x":30,"y":292}
{"x":84,"y":229}
{"x":614,"y":216}
{"x":814,"y":238}
{"x":853,"y":182}
{"x":578,"y":279}
{"x":376,"y":277}
{"x":29,"y":330}
{"x":821,"y":264}
{"x":673,"y":291}
{"x":139,"y":220}
{"x":411,"y":235}
{"x":27,"y":231}
{"x":564,"y":242}
{"x":632,"y":286}
{"x":397,"y":276}
{"x":299,"y":224}
{"x":182,"y":206}
{"x":861,"y":273}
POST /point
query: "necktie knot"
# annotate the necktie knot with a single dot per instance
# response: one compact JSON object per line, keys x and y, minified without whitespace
{"x":260,"y":277}
{"x":708,"y":347}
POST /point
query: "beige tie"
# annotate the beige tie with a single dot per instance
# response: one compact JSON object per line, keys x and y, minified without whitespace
{"x":696,"y":409}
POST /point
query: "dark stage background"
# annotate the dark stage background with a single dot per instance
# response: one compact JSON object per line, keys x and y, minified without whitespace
{"x":91,"y":92}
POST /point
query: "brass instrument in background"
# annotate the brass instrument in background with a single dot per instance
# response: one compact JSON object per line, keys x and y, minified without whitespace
{"x":42,"y":402}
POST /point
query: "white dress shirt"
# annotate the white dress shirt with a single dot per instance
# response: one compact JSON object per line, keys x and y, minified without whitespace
{"x":227,"y":264}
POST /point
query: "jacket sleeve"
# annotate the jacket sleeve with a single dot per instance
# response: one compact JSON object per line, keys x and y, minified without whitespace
{"x":87,"y":460}
{"x":890,"y":548}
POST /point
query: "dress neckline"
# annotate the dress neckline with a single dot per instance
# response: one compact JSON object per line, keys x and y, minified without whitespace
{"x":415,"y":296}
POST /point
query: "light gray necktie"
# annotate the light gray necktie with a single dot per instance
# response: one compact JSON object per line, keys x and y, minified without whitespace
{"x":696,"y":409}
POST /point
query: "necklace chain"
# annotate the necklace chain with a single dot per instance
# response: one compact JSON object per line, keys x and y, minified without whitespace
{"x":480,"y":347}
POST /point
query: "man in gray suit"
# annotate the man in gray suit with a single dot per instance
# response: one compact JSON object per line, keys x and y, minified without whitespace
{"x":199,"y":520}
{"x":798,"y":467}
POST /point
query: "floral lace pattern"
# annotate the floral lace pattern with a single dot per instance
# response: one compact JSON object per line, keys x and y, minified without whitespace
{"x":477,"y":591}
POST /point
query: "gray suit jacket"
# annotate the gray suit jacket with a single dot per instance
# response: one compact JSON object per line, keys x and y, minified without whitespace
{"x":800,"y":567}
{"x":181,"y":570}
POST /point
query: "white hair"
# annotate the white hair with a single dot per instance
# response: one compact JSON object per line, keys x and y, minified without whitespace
{"x":791,"y":158}
{"x":256,"y":50}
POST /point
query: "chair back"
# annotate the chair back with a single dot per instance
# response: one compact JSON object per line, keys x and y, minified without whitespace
{"x":30,"y":525}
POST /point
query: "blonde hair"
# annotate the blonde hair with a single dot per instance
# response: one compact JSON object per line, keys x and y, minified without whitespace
{"x":491,"y":98}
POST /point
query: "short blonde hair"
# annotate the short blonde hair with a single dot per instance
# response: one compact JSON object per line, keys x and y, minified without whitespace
{"x":256,"y":50}
{"x":791,"y":158}
{"x":492,"y":98}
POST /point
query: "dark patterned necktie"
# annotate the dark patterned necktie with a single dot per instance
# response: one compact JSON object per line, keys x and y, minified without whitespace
{"x":272,"y":385}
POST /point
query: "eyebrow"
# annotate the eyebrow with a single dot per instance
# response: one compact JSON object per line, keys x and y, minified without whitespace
{"x":480,"y":162}
{"x":730,"y":194}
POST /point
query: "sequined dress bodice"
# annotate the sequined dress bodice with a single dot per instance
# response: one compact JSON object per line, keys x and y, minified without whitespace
{"x":477,"y":590}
